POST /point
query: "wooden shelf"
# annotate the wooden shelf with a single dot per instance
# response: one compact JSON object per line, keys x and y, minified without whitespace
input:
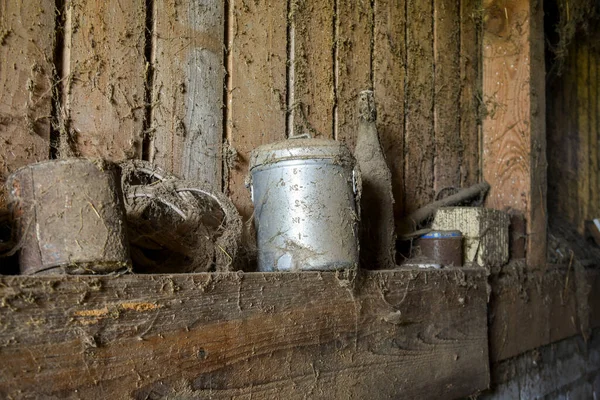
{"x":385,"y":334}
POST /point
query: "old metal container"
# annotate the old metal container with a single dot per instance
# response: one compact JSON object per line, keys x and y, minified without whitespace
{"x":442,"y":247}
{"x":68,"y":217}
{"x":305,"y":213}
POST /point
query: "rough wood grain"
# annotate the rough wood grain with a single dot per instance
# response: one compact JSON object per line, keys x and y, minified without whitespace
{"x":594,"y":196}
{"x":529,"y":309}
{"x":313,"y":94}
{"x":583,"y":131}
{"x":470,"y":86}
{"x":419,"y":148}
{"x":188,"y":81}
{"x":26,"y":79}
{"x":394,"y":334}
{"x":105,"y":73}
{"x":447,"y":94}
{"x":257,"y":94}
{"x":514,"y":128}
{"x":353,"y":64}
{"x":389,"y":73}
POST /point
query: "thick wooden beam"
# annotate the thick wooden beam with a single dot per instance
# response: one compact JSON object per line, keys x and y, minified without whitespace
{"x":27,"y":35}
{"x":389,"y":334}
{"x":514,"y":137}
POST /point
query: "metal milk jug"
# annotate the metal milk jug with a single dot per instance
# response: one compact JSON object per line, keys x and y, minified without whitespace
{"x":305,"y":207}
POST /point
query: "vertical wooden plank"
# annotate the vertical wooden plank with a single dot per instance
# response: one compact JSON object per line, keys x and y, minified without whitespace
{"x":389,"y":73}
{"x":469,"y":90}
{"x":187,"y":112}
{"x":312,"y":77}
{"x":569,"y":197}
{"x":419,"y":150}
{"x":257,"y":85}
{"x":514,"y":128}
{"x":26,"y":78}
{"x":106,"y":71}
{"x":594,"y":199}
{"x":353,"y":63}
{"x":583,"y":159}
{"x":446,"y":113}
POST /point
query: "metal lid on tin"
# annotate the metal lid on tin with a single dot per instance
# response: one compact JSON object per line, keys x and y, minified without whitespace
{"x":442,"y":235}
{"x":301,"y":149}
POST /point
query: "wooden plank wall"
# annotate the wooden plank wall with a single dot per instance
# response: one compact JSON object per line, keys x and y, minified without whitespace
{"x":573,"y":106}
{"x":27,"y":35}
{"x":172,"y":81}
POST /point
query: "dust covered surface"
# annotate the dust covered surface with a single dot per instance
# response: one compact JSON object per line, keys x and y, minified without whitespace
{"x":69,"y":214}
{"x":414,"y":334}
{"x":175,"y":225}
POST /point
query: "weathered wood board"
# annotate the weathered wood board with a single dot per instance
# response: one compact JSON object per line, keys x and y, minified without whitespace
{"x":447,"y":94}
{"x":26,"y":78}
{"x":104,"y":74}
{"x":188,"y":85}
{"x":419,"y":142}
{"x":388,"y":334}
{"x":529,"y":309}
{"x":470,"y":86}
{"x":313,"y":91}
{"x":389,"y":73}
{"x":514,"y":140}
{"x":354,"y":31}
{"x":257,"y":89}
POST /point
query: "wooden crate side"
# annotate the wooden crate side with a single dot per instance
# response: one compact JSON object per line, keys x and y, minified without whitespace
{"x":389,"y":75}
{"x":105,"y":76}
{"x":257,"y":88}
{"x":398,"y":334}
{"x":27,"y":35}
{"x":188,"y":85}
{"x":419,"y":148}
{"x":313,"y":94}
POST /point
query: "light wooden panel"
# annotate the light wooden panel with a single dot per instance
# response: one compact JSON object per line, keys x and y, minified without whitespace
{"x":188,"y":87}
{"x":419,"y":140}
{"x":312,"y":67}
{"x":394,"y":334}
{"x":448,"y":145}
{"x":514,"y":128}
{"x":389,"y":73}
{"x":26,"y":78}
{"x":353,"y":65}
{"x":105,"y":72}
{"x":257,"y":86}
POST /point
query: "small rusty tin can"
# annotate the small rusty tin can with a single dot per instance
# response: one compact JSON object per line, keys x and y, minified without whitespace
{"x":305,"y":209}
{"x":443,"y":247}
{"x":68,"y":217}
